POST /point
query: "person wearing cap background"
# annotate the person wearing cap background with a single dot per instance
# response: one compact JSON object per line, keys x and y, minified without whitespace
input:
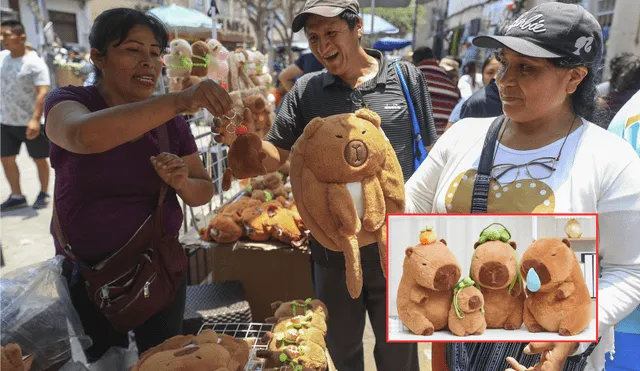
{"x":354,"y":78}
{"x":452,"y":68}
{"x":550,"y":158}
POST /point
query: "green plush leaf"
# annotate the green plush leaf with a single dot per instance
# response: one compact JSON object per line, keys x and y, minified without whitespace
{"x":283,"y":358}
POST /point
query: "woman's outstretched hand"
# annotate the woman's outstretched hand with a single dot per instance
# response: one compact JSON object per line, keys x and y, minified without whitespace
{"x":171,"y":169}
{"x":553,"y":356}
{"x":206,"y":94}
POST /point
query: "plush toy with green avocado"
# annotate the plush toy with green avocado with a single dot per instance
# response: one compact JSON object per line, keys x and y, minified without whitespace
{"x":466,"y":316}
{"x":495,"y":270}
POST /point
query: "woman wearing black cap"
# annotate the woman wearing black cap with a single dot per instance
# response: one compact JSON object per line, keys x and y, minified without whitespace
{"x":543,"y":156}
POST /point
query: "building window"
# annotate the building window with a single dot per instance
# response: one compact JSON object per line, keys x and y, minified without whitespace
{"x":64,"y":24}
{"x":605,"y":11}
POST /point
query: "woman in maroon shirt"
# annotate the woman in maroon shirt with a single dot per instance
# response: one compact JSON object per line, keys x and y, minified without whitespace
{"x":108,"y":165}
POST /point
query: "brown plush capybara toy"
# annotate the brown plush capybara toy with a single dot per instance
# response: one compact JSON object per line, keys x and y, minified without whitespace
{"x":294,"y":308}
{"x":466,"y":315}
{"x":245,"y":159}
{"x":309,"y":355}
{"x":206,"y":352}
{"x":294,"y":335}
{"x":315,"y":320}
{"x":494,"y":267}
{"x":558,"y":299}
{"x":425,"y":293}
{"x":223,"y":229}
{"x":11,"y":358}
{"x":344,"y":198}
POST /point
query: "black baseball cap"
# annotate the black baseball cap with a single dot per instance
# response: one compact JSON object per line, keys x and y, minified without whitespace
{"x":551,"y":30}
{"x":323,"y":8}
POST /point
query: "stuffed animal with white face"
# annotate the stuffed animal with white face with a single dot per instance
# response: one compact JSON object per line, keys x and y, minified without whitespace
{"x":219,"y":67}
{"x":178,"y":62}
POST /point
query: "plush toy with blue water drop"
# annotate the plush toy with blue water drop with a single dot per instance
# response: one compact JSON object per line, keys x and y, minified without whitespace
{"x":557,"y":296}
{"x":495,"y":270}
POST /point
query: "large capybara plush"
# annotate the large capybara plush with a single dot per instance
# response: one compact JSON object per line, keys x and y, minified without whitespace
{"x":495,"y":268}
{"x":425,"y":293}
{"x":344,"y":198}
{"x":558,"y":299}
{"x":466,"y":316}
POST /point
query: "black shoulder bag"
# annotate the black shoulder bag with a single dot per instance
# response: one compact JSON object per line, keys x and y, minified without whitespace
{"x":483,"y":178}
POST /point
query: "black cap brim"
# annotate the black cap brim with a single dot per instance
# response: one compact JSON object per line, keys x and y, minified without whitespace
{"x":516,"y":44}
{"x":323,"y":11}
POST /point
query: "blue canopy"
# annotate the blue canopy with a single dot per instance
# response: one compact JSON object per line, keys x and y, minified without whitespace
{"x":183,"y":19}
{"x":380,"y":25}
{"x":391,"y":43}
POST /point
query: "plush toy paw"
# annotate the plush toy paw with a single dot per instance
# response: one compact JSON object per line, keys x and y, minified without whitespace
{"x":428,"y":331}
{"x":535,"y":328}
{"x":510,"y":327}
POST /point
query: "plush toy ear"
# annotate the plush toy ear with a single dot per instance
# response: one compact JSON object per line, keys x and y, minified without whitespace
{"x":566,"y":242}
{"x":513,"y":244}
{"x":313,"y":126}
{"x":369,"y":115}
{"x":408,"y":251}
{"x":443,"y":241}
{"x":475,"y":245}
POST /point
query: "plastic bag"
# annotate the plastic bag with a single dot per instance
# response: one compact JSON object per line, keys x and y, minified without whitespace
{"x":37,"y":314}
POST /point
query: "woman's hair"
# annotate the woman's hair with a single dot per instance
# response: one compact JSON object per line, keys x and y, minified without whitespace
{"x":583,"y":100}
{"x":486,"y":62}
{"x":113,"y":25}
{"x":625,"y":72}
{"x":470,"y":69}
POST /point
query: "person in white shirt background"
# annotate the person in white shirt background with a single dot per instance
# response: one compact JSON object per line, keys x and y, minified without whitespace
{"x":549,"y":158}
{"x":25,"y":81}
{"x":470,"y":81}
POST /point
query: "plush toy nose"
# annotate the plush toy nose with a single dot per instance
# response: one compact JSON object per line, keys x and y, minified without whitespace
{"x":475,"y":302}
{"x":494,"y":274}
{"x":446,"y":277}
{"x":356,"y":153}
{"x":533,"y":281}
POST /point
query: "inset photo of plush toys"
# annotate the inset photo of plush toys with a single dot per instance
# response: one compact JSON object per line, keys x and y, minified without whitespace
{"x":512,"y":278}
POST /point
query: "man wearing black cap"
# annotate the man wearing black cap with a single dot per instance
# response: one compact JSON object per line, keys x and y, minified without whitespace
{"x":353,"y":78}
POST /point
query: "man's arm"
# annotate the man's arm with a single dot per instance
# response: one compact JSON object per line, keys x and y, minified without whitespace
{"x":285,"y":131}
{"x":287,"y":76}
{"x":38,"y":107}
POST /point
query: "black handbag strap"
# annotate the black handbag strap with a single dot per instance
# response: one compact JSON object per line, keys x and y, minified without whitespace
{"x":483,"y":178}
{"x":163,"y":146}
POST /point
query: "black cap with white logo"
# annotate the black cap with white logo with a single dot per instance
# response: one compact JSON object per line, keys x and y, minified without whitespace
{"x":323,"y":8}
{"x":551,"y":30}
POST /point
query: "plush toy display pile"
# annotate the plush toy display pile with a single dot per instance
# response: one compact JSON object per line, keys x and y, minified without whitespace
{"x":208,"y":351}
{"x":494,"y":295}
{"x":297,"y":342}
{"x":266,"y":212}
{"x":344,"y":198}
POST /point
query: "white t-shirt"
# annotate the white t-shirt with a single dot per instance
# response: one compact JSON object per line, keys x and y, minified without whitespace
{"x":597,"y":172}
{"x":18,"y":80}
{"x":465,"y":87}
